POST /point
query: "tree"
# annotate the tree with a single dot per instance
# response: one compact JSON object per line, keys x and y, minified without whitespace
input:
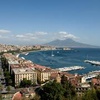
{"x":98,"y":93}
{"x":0,"y":96}
{"x":0,"y":72}
{"x":7,"y":77}
{"x":57,"y":91}
{"x":10,"y":81}
{"x":64,"y":79}
{"x":1,"y":87}
{"x":25,"y":83}
{"x":90,"y":95}
{"x":8,"y":88}
{"x":36,"y":97}
{"x":69,"y":89}
{"x":98,"y":77}
{"x":52,"y":91}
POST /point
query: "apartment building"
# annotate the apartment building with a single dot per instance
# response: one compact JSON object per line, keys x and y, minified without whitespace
{"x":21,"y":73}
{"x":44,"y":74}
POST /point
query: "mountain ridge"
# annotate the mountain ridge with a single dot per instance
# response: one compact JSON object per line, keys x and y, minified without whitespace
{"x":70,"y":43}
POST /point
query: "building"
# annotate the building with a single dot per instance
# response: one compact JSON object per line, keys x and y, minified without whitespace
{"x":44,"y":73}
{"x":81,"y":89}
{"x":21,"y":73}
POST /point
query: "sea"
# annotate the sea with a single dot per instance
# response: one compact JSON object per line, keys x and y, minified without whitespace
{"x":66,"y":58}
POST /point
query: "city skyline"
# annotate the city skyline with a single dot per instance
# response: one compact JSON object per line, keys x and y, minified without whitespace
{"x":26,"y":22}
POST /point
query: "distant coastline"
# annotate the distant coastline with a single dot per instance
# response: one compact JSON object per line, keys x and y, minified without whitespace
{"x":36,"y":50}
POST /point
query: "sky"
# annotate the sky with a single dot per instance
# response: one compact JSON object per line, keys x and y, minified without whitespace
{"x":31,"y":22}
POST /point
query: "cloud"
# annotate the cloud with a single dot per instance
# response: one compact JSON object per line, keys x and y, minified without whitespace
{"x":43,"y":37}
{"x":65,"y":35}
{"x":4,"y":37}
{"x":2,"y":31}
{"x":31,"y":36}
{"x":26,"y":37}
{"x":20,"y":36}
{"x":35,"y":37}
{"x":41,"y":33}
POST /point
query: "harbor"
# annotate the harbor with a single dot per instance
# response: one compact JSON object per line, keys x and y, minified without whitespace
{"x":71,"y":68}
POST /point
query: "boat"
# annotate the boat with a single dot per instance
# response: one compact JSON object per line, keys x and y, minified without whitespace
{"x":17,"y":55}
{"x":52,"y":54}
{"x":23,"y":58}
{"x":26,"y":53}
{"x":57,"y":51}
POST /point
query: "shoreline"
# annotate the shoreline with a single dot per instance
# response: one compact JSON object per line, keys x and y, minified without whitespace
{"x":24,"y":52}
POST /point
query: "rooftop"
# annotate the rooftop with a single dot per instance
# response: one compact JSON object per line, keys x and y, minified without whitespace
{"x":23,"y":70}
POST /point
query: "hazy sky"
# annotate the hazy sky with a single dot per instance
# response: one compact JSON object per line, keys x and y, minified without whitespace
{"x":41,"y":21}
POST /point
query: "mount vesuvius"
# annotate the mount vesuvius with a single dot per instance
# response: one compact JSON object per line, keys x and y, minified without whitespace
{"x":69,"y":43}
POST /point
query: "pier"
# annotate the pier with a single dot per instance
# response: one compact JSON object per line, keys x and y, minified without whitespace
{"x":90,"y":75}
{"x":70,"y":68}
{"x":97,"y":63}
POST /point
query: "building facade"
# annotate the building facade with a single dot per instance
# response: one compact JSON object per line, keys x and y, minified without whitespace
{"x":27,"y":73}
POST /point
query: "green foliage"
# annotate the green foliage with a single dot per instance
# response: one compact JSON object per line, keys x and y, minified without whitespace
{"x":0,"y":72}
{"x":25,"y":83}
{"x":98,"y":93}
{"x":65,"y":91}
{"x":98,"y":77}
{"x":63,"y":80}
{"x":37,"y":97}
{"x":0,"y":96}
{"x":90,"y":95}
{"x":7,"y":77}
{"x":7,"y":74}
{"x":1,"y":86}
{"x":69,"y":89}
{"x":8,"y":88}
{"x":52,"y":91}
{"x":34,"y":84}
{"x":58,"y":91}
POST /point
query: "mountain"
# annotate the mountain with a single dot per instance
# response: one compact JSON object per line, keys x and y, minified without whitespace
{"x":69,"y":43}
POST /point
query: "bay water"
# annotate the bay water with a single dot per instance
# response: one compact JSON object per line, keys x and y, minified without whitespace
{"x":66,"y":58}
